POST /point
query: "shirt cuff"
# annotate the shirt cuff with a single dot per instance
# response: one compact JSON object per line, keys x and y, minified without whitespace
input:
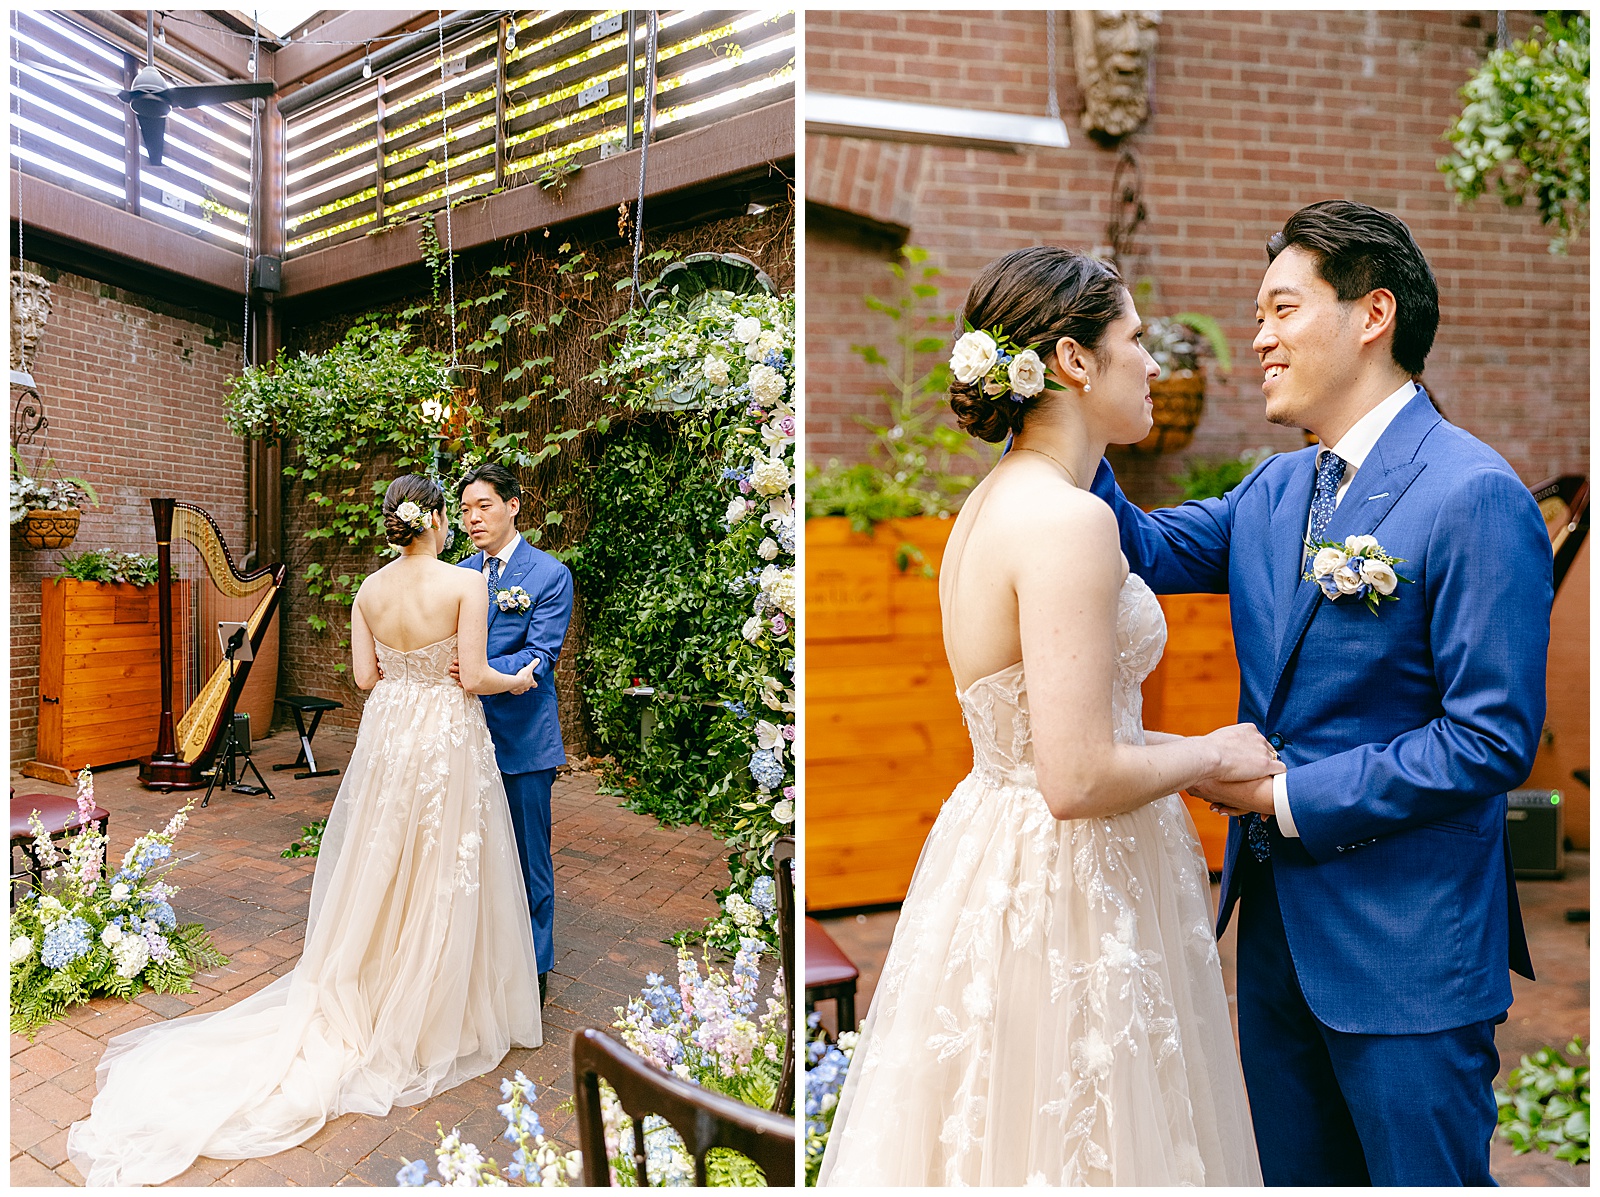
{"x":1280,"y":806}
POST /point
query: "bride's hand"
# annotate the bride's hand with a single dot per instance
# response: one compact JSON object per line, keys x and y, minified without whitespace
{"x":1244,"y":754}
{"x":525,"y":680}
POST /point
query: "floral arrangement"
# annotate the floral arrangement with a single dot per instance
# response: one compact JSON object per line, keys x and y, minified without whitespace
{"x":826,"y":1067}
{"x":44,"y":492}
{"x":1006,"y":368}
{"x":1357,"y":567}
{"x":513,"y":599}
{"x":412,"y":516}
{"x":734,"y":353}
{"x":85,"y":935}
{"x":707,"y":1029}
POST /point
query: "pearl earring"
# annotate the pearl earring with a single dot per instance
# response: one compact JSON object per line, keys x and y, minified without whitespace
{"x":1086,"y":388}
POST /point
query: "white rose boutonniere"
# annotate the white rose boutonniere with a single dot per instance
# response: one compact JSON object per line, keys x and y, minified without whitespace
{"x":1004,"y":368}
{"x":514,"y":598}
{"x":1360,"y":567}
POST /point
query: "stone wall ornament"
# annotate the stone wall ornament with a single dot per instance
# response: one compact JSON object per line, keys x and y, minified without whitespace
{"x":30,"y":311}
{"x":1114,"y":50}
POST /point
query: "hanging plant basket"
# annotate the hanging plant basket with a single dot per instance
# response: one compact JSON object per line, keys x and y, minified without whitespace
{"x":42,"y":529}
{"x":1179,"y":401}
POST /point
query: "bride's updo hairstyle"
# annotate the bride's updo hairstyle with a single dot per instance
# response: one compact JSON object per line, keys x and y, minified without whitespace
{"x":1037,"y":296}
{"x":409,"y":488}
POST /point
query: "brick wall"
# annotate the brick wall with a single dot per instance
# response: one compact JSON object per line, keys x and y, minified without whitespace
{"x":133,"y":391}
{"x":1253,"y":116}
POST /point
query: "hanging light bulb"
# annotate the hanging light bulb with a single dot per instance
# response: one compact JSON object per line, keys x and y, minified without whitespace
{"x":366,"y":63}
{"x":511,"y":36}
{"x":251,"y":65}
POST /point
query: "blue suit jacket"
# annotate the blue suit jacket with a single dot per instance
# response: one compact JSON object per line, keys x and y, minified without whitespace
{"x":1402,"y":731}
{"x":527,"y":727}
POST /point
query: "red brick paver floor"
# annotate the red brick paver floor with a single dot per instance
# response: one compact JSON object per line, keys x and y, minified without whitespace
{"x":1550,"y":1010}
{"x":623,"y":884}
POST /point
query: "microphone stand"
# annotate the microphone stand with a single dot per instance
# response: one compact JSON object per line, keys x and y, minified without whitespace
{"x":222,"y":770}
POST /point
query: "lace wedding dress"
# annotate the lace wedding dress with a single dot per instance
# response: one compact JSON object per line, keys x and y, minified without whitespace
{"x":417,"y":973}
{"x":1052,"y":1008}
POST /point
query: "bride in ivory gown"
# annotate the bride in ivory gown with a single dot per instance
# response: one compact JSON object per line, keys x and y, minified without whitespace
{"x":418,"y":967}
{"x":1052,"y":1007}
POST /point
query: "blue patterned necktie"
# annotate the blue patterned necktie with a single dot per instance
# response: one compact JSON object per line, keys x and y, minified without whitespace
{"x":494,"y":576}
{"x":1324,"y":496}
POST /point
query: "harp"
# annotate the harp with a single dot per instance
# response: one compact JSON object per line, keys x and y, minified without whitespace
{"x":197,"y":587}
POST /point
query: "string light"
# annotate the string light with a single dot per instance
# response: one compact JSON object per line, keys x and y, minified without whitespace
{"x":366,"y":63}
{"x":511,"y":37}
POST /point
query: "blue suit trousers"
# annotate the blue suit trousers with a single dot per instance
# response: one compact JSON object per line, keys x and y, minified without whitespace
{"x":1334,"y":1108}
{"x":529,"y":797}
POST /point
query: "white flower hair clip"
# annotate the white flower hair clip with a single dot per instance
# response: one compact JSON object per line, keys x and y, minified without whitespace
{"x":1004,"y":367}
{"x":411,"y":515}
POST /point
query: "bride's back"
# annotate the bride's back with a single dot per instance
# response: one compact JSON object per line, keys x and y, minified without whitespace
{"x":414,"y":602}
{"x":1005,"y":522}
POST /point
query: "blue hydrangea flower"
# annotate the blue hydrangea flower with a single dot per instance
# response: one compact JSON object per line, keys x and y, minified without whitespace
{"x":65,"y":942}
{"x":763,"y":895}
{"x":412,"y":1175}
{"x":162,"y":914}
{"x":738,"y":708}
{"x":777,"y":359}
{"x":766,"y":769}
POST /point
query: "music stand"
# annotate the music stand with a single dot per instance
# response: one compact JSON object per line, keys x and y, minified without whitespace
{"x":235,"y":640}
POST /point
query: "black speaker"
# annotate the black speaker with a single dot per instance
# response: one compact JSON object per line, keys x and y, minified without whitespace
{"x":268,"y":274}
{"x":1533,"y":819}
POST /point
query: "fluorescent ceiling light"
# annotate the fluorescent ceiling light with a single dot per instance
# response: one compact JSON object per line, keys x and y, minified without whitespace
{"x":930,"y":124}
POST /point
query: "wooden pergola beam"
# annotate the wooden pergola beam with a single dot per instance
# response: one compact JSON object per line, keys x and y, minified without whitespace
{"x":300,"y":62}
{"x":117,"y":234}
{"x":721,"y":150}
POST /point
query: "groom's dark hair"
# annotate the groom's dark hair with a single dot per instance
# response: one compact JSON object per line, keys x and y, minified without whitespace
{"x":503,"y":481}
{"x":1360,"y":249}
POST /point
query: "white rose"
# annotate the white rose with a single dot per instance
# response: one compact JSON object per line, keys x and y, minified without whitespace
{"x":1380,"y":575}
{"x":767,"y":342}
{"x":737,"y":510}
{"x":21,"y":949}
{"x":746,"y":329}
{"x":1027,"y":374}
{"x":752,"y":629}
{"x":766,"y":384}
{"x":974,"y":356}
{"x":715,"y":370}
{"x":111,"y":936}
{"x":767,"y":549}
{"x":1347,"y":580}
{"x":783,"y":810}
{"x":119,"y":892}
{"x":1360,"y":546}
{"x":408,"y":512}
{"x":1326,"y":561}
{"x":769,"y":475}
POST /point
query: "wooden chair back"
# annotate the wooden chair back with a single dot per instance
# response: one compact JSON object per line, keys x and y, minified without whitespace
{"x":704,"y":1119}
{"x":783,"y":874}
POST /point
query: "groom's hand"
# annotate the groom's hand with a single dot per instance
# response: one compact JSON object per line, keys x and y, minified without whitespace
{"x":455,"y":671}
{"x":1236,"y":797}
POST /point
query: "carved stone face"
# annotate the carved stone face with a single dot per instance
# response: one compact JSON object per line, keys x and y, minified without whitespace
{"x":30,"y":310}
{"x":1113,"y":50}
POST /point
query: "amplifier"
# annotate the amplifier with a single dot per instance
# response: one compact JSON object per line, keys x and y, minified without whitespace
{"x":1533,"y":820}
{"x":241,"y":732}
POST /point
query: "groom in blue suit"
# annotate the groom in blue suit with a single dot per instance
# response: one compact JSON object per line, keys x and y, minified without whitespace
{"x":1378,"y":915}
{"x":530,"y":605}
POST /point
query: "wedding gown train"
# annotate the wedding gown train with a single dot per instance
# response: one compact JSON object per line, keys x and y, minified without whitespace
{"x":417,"y":971}
{"x":1052,"y":1008}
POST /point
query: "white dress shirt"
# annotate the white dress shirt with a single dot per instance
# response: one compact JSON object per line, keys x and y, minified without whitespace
{"x":1354,"y":446}
{"x":505,"y":556}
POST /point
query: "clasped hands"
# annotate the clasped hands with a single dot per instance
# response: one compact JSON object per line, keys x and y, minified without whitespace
{"x":1244,"y":783}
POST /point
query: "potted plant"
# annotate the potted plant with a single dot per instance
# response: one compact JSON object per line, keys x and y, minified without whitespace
{"x":1180,"y":344}
{"x":45,"y":510}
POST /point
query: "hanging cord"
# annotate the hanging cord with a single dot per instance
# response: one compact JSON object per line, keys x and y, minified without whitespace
{"x":449,"y":232}
{"x":255,"y":171}
{"x":16,"y":110}
{"x":1052,"y":104}
{"x":644,"y":150}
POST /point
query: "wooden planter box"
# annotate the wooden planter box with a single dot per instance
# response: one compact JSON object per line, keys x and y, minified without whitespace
{"x":884,"y":743}
{"x":99,"y":675}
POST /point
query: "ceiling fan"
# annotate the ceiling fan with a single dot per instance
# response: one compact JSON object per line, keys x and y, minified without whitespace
{"x":152,"y":95}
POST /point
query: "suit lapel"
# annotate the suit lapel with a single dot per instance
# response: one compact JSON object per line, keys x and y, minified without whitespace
{"x":1390,"y":468}
{"x":1288,"y":534}
{"x":521,"y":559}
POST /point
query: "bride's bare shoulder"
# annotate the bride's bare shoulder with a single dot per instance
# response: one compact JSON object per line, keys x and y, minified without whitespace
{"x":1045,"y":505}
